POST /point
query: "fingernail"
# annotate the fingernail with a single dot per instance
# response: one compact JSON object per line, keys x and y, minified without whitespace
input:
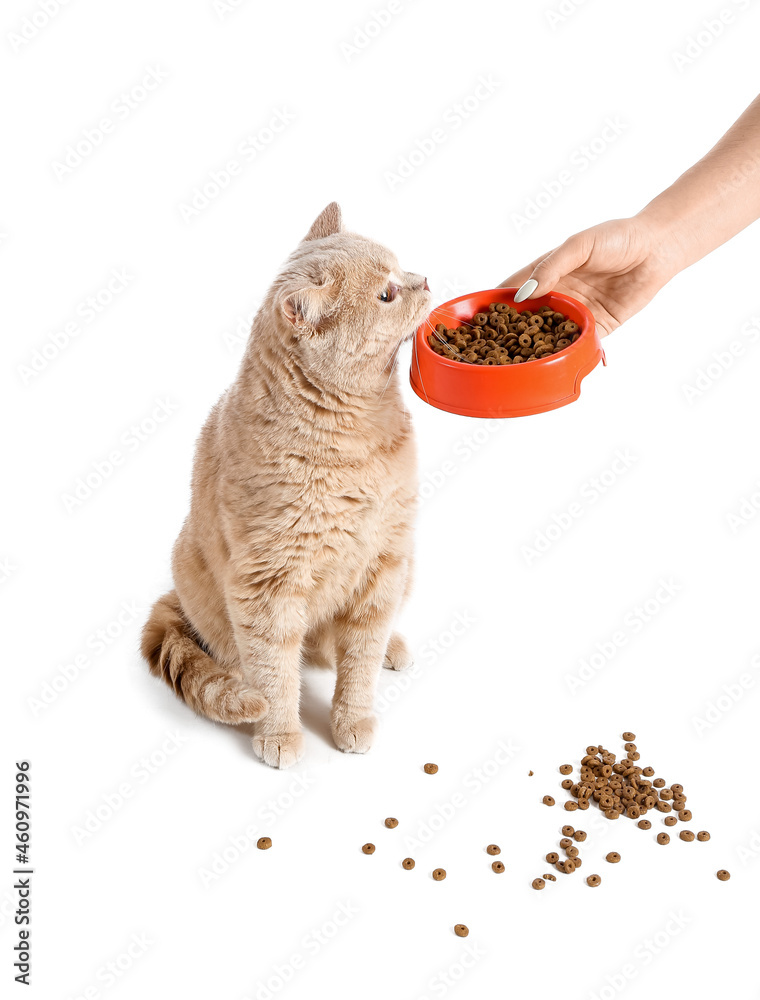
{"x":526,"y":290}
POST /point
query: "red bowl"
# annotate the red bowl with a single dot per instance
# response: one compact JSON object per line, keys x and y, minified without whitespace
{"x":504,"y":390}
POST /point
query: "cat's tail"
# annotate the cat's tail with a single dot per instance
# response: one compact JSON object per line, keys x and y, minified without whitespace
{"x":208,"y":688}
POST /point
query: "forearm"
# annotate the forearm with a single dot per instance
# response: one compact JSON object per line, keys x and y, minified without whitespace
{"x":716,"y":198}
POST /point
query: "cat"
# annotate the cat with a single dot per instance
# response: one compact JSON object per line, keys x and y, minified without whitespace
{"x":298,"y":544}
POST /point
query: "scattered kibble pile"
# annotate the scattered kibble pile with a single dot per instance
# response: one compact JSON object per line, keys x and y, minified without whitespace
{"x":618,"y":788}
{"x":505,"y":336}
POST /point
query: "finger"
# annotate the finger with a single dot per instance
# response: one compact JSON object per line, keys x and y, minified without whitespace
{"x":519,"y":277}
{"x":555,"y":266}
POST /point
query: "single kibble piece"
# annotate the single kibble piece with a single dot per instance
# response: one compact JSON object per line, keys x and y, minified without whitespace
{"x":567,"y":830}
{"x":723,"y":875}
{"x":461,"y":930}
{"x":663,"y":838}
{"x":565,"y":843}
{"x":644,"y":824}
{"x":530,"y":774}
{"x":629,"y":737}
{"x":567,"y":784}
{"x":569,"y":865}
{"x":685,"y":815}
{"x":439,"y":874}
{"x":566,"y":769}
{"x":703,"y":835}
{"x":493,"y":849}
{"x":613,"y":857}
{"x":498,"y":867}
{"x":594,"y":881}
{"x":430,"y":769}
{"x":368,"y":849}
{"x":686,"y":835}
{"x":571,"y":805}
{"x":547,"y":800}
{"x":538,"y":883}
{"x":572,"y":852}
{"x":550,"y":878}
{"x":408,"y":863}
{"x":264,"y":843}
{"x":580,"y":836}
{"x":670,"y":820}
{"x":391,"y":823}
{"x":552,"y":857}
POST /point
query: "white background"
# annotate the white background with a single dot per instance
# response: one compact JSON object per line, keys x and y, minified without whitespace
{"x":488,"y":704}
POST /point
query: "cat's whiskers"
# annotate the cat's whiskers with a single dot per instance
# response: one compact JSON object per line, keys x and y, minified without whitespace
{"x":419,"y":372}
{"x":394,"y":358}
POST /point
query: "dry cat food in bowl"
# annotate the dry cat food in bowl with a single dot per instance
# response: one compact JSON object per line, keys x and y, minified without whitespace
{"x":480,"y":355}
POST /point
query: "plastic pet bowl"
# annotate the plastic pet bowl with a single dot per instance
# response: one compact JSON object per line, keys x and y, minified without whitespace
{"x":504,"y":390}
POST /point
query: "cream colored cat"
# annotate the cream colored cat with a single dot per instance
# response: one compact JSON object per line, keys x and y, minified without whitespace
{"x":299,"y":539}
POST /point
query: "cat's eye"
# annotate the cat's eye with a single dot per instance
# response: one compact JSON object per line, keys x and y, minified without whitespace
{"x":389,"y":293}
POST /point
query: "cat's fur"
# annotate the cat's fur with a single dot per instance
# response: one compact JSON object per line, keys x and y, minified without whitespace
{"x":298,"y":545}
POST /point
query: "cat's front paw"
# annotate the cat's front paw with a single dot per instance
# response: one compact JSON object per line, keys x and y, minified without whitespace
{"x":353,"y":735}
{"x":397,"y":655}
{"x":278,"y":749}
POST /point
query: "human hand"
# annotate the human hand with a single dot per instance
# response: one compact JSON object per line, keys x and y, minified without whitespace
{"x":615,"y":269}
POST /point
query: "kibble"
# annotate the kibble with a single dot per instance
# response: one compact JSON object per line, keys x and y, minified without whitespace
{"x":264,"y":843}
{"x":538,"y":883}
{"x":498,"y":867}
{"x":439,"y":874}
{"x":593,"y":881}
{"x":547,"y":800}
{"x":723,"y":875}
{"x":408,"y":863}
{"x":618,"y":787}
{"x":461,"y":930}
{"x":391,"y":823}
{"x":550,"y":878}
{"x":430,"y":769}
{"x":493,"y":849}
{"x":504,"y":336}
{"x":368,"y":848}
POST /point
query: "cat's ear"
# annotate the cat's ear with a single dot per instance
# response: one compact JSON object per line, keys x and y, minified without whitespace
{"x":306,"y":307}
{"x":327,"y":223}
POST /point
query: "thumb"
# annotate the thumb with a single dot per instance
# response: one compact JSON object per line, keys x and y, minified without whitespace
{"x":572,"y":254}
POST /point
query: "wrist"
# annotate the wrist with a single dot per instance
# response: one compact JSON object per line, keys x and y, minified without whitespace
{"x":673,"y":231}
{"x":668,"y":233}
